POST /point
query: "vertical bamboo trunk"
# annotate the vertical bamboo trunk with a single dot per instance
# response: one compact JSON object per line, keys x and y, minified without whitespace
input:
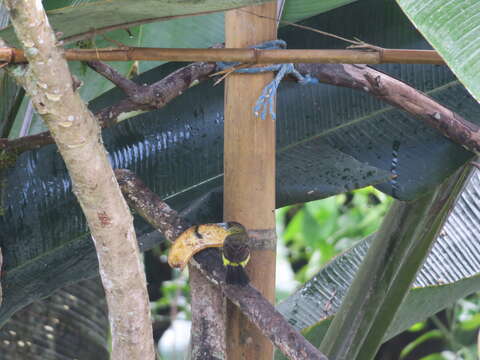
{"x":249,"y":165}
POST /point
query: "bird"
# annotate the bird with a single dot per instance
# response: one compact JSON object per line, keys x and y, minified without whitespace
{"x":231,"y":236}
{"x":235,"y":255}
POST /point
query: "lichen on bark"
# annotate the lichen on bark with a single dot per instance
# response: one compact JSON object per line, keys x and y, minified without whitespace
{"x":48,"y":82}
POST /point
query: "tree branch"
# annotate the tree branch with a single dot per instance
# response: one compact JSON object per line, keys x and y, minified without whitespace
{"x":128,"y":86}
{"x":208,"y":315}
{"x":402,"y":96}
{"x":258,"y":310}
{"x":363,"y":78}
{"x":146,"y":98}
{"x":48,"y":82}
{"x":158,"y":94}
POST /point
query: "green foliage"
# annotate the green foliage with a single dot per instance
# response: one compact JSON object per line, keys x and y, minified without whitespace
{"x":451,"y":28}
{"x":459,"y":332}
{"x":175,"y":296}
{"x":432,"y":334}
{"x":317,"y":231}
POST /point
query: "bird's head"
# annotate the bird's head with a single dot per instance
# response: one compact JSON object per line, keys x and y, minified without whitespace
{"x":233,"y":228}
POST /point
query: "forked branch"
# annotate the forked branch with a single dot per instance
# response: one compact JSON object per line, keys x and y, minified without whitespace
{"x":258,"y":310}
{"x":359,"y":77}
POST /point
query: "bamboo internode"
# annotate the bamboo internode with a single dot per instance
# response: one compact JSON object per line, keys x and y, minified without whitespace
{"x":252,"y":56}
{"x":249,"y":174}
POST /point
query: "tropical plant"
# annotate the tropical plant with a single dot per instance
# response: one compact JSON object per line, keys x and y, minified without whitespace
{"x":330,"y":140}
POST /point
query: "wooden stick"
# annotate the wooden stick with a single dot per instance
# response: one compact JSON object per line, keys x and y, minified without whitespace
{"x":249,"y":185}
{"x":253,"y":56}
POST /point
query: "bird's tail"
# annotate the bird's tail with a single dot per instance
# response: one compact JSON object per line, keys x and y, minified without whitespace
{"x":236,"y":275}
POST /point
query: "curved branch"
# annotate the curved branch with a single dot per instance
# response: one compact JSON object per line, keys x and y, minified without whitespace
{"x":359,"y":77}
{"x":402,"y":96}
{"x":257,"y":309}
{"x":146,"y":98}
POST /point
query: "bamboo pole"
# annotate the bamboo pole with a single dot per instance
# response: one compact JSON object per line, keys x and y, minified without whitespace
{"x":249,"y":183}
{"x":253,"y":56}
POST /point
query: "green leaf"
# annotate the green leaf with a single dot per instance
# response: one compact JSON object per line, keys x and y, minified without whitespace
{"x":72,"y":324}
{"x":82,"y":18}
{"x":451,"y":26}
{"x":310,"y":229}
{"x":295,"y":10}
{"x":451,"y":271}
{"x":419,"y":326}
{"x":471,"y":324}
{"x":11,"y":96}
{"x":387,"y":272}
{"x":432,"y":334}
{"x":330,"y":140}
{"x":436,"y":356}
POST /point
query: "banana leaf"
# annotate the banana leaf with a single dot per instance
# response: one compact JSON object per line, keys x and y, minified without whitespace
{"x":451,"y":271}
{"x":330,"y":140}
{"x":451,"y":26}
{"x":97,"y":15}
{"x":183,"y":32}
{"x":71,"y":324}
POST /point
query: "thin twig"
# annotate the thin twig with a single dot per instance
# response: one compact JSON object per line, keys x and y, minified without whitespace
{"x":304,"y":27}
{"x":258,"y":310}
{"x":363,"y":78}
{"x":128,"y":86}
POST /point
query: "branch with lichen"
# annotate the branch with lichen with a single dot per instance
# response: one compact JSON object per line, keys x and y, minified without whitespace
{"x":359,"y":77}
{"x":400,"y":95}
{"x":208,"y":262}
{"x":48,"y":82}
{"x":139,"y":99}
{"x":208,"y":317}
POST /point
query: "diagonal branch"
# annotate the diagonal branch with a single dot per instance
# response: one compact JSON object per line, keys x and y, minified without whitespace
{"x":359,"y":77}
{"x":402,"y":96}
{"x":158,"y":94}
{"x":48,"y":82}
{"x":128,"y":86}
{"x":147,"y":98}
{"x":258,"y":310}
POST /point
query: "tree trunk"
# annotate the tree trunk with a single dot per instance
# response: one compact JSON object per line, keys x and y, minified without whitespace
{"x":49,"y":84}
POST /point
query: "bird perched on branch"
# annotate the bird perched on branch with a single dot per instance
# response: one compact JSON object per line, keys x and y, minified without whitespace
{"x":232,"y":236}
{"x":235,"y":255}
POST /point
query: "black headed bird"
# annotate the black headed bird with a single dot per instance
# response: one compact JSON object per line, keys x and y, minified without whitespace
{"x":236,"y":254}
